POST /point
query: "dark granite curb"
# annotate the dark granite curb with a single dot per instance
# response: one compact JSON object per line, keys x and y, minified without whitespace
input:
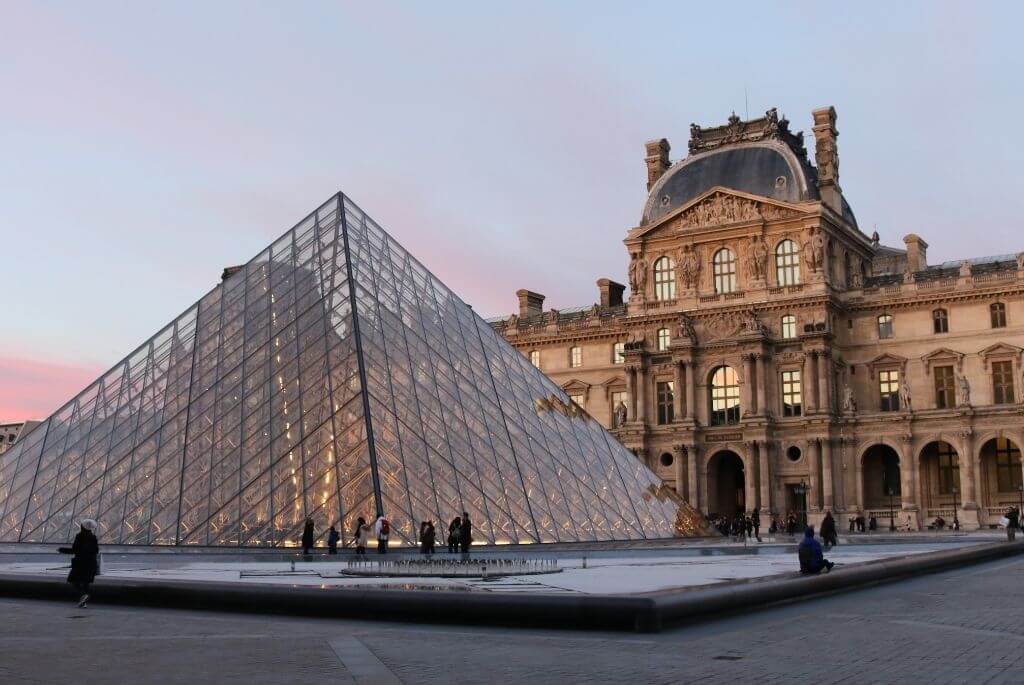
{"x":645,"y":613}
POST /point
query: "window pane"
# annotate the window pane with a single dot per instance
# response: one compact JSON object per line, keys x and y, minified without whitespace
{"x":885,"y":328}
{"x":664,"y":279}
{"x":791,"y":397}
{"x":945,"y":390}
{"x":889,"y":388}
{"x":725,"y":397}
{"x":619,"y":353}
{"x":724,"y":268}
{"x":787,"y":263}
{"x":665,"y":396}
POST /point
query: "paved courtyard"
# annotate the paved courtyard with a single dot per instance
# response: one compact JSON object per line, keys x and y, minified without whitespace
{"x":963,"y":626}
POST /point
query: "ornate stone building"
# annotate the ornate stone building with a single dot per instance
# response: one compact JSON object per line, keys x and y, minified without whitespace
{"x":772,"y":355}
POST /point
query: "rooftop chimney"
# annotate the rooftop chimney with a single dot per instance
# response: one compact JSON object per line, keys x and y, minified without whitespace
{"x":530,"y":303}
{"x":826,"y":155}
{"x":657,"y":160}
{"x":611,"y":292}
{"x":917,"y":253}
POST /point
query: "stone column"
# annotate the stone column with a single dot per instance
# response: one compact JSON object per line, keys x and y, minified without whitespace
{"x":762,"y":406}
{"x":631,"y":394}
{"x":691,"y":390}
{"x":692,"y":456}
{"x":814,"y":464}
{"x":968,"y":471}
{"x":906,"y":475}
{"x":764,"y":476}
{"x":677,"y":392}
{"x":641,"y":394}
{"x":827,"y":483}
{"x":678,"y":452}
{"x":747,"y":397}
{"x":810,"y":382}
{"x":858,"y":473}
{"x":824,"y":401}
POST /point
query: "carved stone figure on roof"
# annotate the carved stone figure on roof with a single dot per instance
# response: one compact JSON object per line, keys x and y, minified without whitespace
{"x":757,"y":258}
{"x":513,"y":321}
{"x":689,"y":266}
{"x":965,"y":268}
{"x":638,"y":274}
{"x":686,"y":329}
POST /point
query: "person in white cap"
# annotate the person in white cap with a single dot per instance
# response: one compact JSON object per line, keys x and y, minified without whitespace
{"x":86,"y":549}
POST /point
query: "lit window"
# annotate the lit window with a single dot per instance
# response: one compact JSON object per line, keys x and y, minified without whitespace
{"x":665,"y":396}
{"x":788,"y":326}
{"x":889,"y":390}
{"x":577,"y":399}
{"x":791,"y":397}
{"x":885,"y":326}
{"x":725,"y":397}
{"x":940,"y":321}
{"x":949,"y":468}
{"x":664,"y":279}
{"x":1008,"y":469}
{"x":997,"y":310}
{"x":1002,"y":382}
{"x":535,"y":358}
{"x":787,"y":263}
{"x":724,"y":268}
{"x":575,"y":357}
{"x":945,"y":387}
{"x":619,"y":353}
{"x":664,"y":339}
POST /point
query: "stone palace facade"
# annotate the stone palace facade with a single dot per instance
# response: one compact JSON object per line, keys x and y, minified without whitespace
{"x":772,"y":355}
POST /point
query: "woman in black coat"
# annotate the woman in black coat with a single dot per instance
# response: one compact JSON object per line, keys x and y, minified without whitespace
{"x":307,"y":536}
{"x":86,"y":549}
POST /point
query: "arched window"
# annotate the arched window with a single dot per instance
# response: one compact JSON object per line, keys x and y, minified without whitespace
{"x":997,"y":310}
{"x":940,"y":321}
{"x":724,"y":268}
{"x":788,"y":326}
{"x":725,"y":397}
{"x":664,"y":279}
{"x":885,"y":326}
{"x":787,"y":263}
{"x":664,"y":339}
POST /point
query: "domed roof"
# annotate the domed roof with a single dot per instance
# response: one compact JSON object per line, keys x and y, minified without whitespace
{"x":760,"y":157}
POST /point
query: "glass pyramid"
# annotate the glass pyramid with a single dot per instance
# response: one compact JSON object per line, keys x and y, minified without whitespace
{"x":334,"y":377}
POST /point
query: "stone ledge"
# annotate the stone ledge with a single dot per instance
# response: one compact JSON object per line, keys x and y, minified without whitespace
{"x":642,"y":612}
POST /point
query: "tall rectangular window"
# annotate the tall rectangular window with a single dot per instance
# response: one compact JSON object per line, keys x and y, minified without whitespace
{"x":889,"y":389}
{"x":949,"y":469}
{"x":945,"y":387}
{"x":619,"y":353}
{"x":535,"y":358}
{"x":940,"y":321}
{"x":1008,"y":470}
{"x":666,"y":392}
{"x":788,"y":326}
{"x":618,"y":398}
{"x":664,"y":339}
{"x":575,"y":357}
{"x":997,"y":312}
{"x":885,"y":330}
{"x":1002,"y":382}
{"x":791,"y":400}
{"x":577,"y":398}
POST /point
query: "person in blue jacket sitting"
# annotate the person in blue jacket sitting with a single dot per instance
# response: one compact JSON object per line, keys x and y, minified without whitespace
{"x":812,"y":560}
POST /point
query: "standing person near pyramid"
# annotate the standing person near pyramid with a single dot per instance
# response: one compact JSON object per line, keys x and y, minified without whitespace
{"x":86,"y":549}
{"x":362,"y":537}
{"x":307,"y":537}
{"x":465,"y":534}
{"x":383,"y":530}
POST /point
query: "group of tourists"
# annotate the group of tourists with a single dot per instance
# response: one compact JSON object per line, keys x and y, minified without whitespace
{"x":460,"y":536}
{"x":858,"y":524}
{"x":739,"y":527}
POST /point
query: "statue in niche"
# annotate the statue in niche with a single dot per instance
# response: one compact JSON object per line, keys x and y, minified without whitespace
{"x":856,"y":280}
{"x":620,"y":414}
{"x":686,"y":329}
{"x":905,"y":395}
{"x":638,"y":274}
{"x":757,"y":260}
{"x":964,"y":390}
{"x":849,"y":401}
{"x":689,"y":266}
{"x":818,"y":247}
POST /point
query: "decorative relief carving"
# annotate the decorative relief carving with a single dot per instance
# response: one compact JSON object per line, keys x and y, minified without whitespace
{"x":686,"y":329}
{"x":638,"y":274}
{"x":768,"y":127}
{"x":757,"y":258}
{"x":689,"y":266}
{"x":722,"y":208}
{"x":814,"y":250}
{"x":732,"y":324}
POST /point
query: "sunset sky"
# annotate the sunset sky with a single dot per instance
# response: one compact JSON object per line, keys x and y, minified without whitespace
{"x":145,"y":147}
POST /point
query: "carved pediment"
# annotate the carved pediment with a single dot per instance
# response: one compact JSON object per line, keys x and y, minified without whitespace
{"x":942,"y":356}
{"x":887,"y":361}
{"x":575,"y":386}
{"x":719,"y":208}
{"x":999,"y":351}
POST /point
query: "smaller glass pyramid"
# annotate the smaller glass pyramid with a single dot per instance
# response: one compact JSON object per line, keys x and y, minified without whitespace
{"x":331,"y":377}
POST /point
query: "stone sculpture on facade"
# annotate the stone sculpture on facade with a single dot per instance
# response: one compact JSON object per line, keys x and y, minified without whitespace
{"x":686,"y":329}
{"x":849,"y":401}
{"x":689,"y":266}
{"x":751,"y":324}
{"x":964,"y":391}
{"x":905,"y":398}
{"x":1020,"y":261}
{"x":620,"y":414}
{"x":638,"y":274}
{"x":757,"y":259}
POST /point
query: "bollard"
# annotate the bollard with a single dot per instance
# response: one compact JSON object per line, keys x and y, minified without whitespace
{"x":584,"y":562}
{"x":293,"y":565}
{"x":483,"y":571}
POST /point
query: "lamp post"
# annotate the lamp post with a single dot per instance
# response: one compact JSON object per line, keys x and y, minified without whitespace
{"x":956,"y":521}
{"x":1020,"y":489}
{"x":892,"y":513}
{"x":801,"y":491}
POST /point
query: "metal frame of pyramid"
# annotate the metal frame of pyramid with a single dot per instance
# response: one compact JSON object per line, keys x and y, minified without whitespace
{"x":331,"y":377}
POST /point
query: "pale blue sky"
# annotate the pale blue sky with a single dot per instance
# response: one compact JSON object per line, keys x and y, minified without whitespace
{"x":144,"y":147}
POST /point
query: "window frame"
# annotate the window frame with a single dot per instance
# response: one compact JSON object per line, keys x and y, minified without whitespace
{"x":1008,"y":466}
{"x":949,"y":467}
{"x":888,"y":390}
{"x":787,"y":263}
{"x":940,"y":321}
{"x":664,"y":400}
{"x":997,"y":314}
{"x":890,"y":327}
{"x":619,"y":353}
{"x":791,"y":386}
{"x":535,"y":358}
{"x":663,"y":339}
{"x":575,"y":357}
{"x":788,"y":320}
{"x":723,"y":395}
{"x":945,"y":386}
{"x":664,"y":278}
{"x":724,"y":271}
{"x":1002,"y":381}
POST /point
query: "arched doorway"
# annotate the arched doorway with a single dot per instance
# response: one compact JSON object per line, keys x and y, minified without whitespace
{"x":1001,"y":478}
{"x":881,"y":478}
{"x":726,"y":484}
{"x":941,"y":491}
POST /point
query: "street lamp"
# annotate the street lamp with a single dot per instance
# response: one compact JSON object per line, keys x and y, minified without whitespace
{"x":892,"y":513}
{"x":956,"y":521}
{"x":801,"y":491}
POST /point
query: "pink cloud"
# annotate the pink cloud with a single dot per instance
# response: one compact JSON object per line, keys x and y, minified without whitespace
{"x":32,"y":389}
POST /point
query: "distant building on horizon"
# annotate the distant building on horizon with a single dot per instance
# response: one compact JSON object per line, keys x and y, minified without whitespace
{"x":10,"y":432}
{"x":773,"y":356}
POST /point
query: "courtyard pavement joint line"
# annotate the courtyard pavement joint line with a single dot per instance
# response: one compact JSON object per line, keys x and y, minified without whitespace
{"x":647,"y":612}
{"x":361,"y":663}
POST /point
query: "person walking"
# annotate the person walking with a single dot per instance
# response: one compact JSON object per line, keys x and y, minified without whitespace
{"x":748,"y":526}
{"x":362,"y":536}
{"x":332,"y":540}
{"x":427,"y":537}
{"x":465,"y":533}
{"x":454,"y":531}
{"x":756,"y":521}
{"x":85,"y":562}
{"x":307,"y":537}
{"x":383,"y":530}
{"x":812,"y":560}
{"x":1013,"y":518}
{"x":829,"y":534}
